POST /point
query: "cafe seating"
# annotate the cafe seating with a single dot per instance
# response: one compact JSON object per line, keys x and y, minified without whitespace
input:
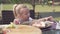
{"x":7,"y":16}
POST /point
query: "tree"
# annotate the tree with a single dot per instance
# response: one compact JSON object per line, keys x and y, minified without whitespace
{"x":14,"y":1}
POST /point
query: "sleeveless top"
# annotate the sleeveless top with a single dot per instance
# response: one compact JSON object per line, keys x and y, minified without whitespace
{"x":19,"y":21}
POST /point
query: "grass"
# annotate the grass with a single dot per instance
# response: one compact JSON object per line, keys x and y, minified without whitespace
{"x":46,"y":8}
{"x":7,"y":6}
{"x":38,"y":8}
{"x":10,"y":6}
{"x":57,"y":19}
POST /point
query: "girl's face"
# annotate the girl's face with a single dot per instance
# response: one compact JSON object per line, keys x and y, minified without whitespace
{"x":25,"y":14}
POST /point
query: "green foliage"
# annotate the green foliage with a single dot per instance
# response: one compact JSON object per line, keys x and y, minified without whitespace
{"x":20,"y":1}
{"x":14,"y":1}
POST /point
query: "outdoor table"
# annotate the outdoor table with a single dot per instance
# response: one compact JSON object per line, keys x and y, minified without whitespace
{"x":53,"y":31}
{"x":23,"y":29}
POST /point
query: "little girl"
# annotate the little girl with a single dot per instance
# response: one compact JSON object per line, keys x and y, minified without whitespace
{"x":21,"y":13}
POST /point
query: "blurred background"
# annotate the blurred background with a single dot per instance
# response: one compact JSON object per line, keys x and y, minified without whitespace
{"x":40,"y":8}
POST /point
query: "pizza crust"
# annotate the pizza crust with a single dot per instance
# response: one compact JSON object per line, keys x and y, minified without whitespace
{"x":24,"y":29}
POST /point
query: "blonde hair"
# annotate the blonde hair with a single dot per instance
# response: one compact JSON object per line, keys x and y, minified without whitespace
{"x":17,"y":7}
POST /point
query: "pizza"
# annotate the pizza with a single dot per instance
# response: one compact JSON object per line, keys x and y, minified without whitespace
{"x":23,"y":29}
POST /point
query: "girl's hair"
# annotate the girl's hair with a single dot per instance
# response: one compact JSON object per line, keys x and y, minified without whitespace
{"x":16,"y":9}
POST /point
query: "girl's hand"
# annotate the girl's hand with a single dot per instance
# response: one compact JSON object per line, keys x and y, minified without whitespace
{"x":38,"y":24}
